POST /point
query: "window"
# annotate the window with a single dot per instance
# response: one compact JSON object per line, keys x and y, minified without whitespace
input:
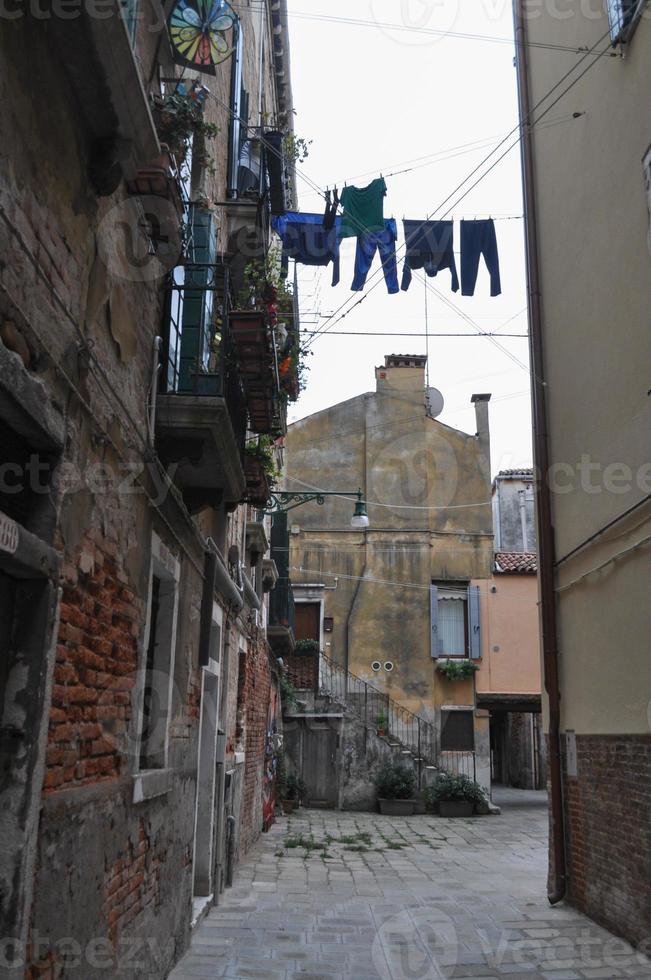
{"x":455,"y":620}
{"x":130,"y":15}
{"x":457,"y":731}
{"x":623,"y":16}
{"x":158,"y":672}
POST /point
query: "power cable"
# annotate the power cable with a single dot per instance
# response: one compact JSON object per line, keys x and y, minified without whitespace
{"x":518,"y":128}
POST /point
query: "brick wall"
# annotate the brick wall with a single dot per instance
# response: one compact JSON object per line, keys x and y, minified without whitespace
{"x":95,"y":670}
{"x":608,"y":832}
{"x":131,"y":883}
{"x":303,"y":672}
{"x":254,"y":699}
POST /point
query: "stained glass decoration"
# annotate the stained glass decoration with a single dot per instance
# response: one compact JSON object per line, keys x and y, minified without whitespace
{"x":198,"y":30}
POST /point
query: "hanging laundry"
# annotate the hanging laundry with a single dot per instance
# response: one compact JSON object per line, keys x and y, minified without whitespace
{"x":332,"y":206}
{"x":306,"y":240}
{"x":367,"y":245}
{"x":363,"y":209}
{"x":429,"y":246}
{"x":478,"y":238}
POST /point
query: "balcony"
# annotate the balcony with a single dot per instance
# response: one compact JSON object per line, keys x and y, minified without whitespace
{"x":201,"y":417}
{"x":97,"y":56}
{"x":282,"y":618}
{"x":257,"y":357}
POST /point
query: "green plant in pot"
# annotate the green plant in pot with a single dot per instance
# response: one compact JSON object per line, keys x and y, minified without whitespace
{"x":382,"y":723}
{"x":294,"y":792}
{"x":456,"y":670}
{"x":306,"y":648}
{"x":455,"y":795}
{"x":396,"y":785}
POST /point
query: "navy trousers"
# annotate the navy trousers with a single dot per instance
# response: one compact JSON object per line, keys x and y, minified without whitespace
{"x":478,"y":238}
{"x":367,"y":245}
{"x":429,"y":246}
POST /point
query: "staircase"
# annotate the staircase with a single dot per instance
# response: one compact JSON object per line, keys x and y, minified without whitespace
{"x":409,"y":735}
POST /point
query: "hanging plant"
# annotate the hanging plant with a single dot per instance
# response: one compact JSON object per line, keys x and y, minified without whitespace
{"x":456,"y":670}
{"x":262,"y":449}
{"x":181,"y":123}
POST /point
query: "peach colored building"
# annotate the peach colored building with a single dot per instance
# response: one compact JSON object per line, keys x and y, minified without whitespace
{"x":508,"y":685}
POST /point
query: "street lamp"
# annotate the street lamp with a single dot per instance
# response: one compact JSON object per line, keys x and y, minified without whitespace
{"x":285,"y":500}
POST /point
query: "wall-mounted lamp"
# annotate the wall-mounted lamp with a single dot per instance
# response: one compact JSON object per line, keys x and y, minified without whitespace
{"x":286,"y":500}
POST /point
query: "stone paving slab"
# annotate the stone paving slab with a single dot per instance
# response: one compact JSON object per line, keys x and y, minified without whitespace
{"x":342,"y":896}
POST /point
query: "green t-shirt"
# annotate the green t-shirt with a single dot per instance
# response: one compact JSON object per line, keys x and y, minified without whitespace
{"x":363,"y":209}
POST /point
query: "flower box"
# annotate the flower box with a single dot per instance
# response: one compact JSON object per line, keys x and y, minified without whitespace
{"x":258,"y":490}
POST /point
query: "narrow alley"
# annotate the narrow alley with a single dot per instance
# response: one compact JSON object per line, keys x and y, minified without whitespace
{"x":332,"y":896}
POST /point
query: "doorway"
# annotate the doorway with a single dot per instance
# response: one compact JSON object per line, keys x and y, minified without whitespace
{"x":308,"y":621}
{"x":206,"y":801}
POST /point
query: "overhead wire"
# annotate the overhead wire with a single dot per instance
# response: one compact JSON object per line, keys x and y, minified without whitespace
{"x":516,"y":129}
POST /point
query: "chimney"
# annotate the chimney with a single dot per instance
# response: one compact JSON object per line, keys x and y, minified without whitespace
{"x":403,"y":373}
{"x":483,"y":428}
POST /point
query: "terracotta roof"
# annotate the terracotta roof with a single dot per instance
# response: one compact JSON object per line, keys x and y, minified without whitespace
{"x":523,"y":471}
{"x":516,"y":562}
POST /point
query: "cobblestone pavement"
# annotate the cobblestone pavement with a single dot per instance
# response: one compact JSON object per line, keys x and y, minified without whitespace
{"x":328,"y":896}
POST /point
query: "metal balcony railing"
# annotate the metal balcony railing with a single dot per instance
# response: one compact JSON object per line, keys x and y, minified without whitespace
{"x":198,"y":351}
{"x":282,"y":611}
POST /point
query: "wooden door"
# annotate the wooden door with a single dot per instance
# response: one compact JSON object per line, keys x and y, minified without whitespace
{"x":319,"y":764}
{"x":308,"y":621}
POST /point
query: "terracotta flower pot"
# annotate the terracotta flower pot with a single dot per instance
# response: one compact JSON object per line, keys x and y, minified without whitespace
{"x":288,"y":806}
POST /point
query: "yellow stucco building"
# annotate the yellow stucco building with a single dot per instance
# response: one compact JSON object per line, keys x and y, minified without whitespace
{"x":392,"y":601}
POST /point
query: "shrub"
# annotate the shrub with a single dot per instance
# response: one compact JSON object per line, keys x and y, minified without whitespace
{"x":305,"y":648}
{"x":451,"y":786}
{"x":395,"y":782}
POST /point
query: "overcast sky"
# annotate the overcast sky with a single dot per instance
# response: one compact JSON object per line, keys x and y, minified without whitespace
{"x":374,"y":100}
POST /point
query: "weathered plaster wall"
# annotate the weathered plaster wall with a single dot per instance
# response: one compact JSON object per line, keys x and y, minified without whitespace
{"x":427,"y":489}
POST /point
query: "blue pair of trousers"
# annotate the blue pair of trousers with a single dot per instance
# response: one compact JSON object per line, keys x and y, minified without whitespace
{"x":478,"y":238}
{"x":367,"y":245}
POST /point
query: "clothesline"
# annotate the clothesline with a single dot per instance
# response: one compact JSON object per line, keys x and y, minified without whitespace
{"x":313,"y":239}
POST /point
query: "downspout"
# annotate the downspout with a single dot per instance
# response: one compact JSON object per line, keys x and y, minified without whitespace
{"x":523,"y":519}
{"x":364,"y":566}
{"x":546,"y":546}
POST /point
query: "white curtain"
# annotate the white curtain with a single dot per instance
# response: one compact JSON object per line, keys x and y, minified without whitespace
{"x":452,"y":627}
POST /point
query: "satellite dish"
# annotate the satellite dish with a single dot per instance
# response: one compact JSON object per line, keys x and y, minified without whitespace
{"x":435,"y":402}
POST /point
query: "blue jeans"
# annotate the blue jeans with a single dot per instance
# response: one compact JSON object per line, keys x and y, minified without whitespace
{"x":367,"y":245}
{"x":478,"y":238}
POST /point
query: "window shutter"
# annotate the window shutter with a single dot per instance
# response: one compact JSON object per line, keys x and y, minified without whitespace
{"x":434,"y":621}
{"x":474,"y":622}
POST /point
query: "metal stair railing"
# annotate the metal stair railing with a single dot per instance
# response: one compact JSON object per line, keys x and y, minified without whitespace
{"x":404,"y":729}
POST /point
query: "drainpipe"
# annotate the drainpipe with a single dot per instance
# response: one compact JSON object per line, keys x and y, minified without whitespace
{"x":155,"y":372}
{"x":523,"y":519}
{"x":546,"y":545}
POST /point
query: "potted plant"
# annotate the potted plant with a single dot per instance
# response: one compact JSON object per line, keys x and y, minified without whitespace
{"x":456,"y":670}
{"x":260,"y":470}
{"x":306,"y":648}
{"x":294,"y":792}
{"x":455,"y":794}
{"x":382,"y":723}
{"x":395,"y":789}
{"x":180,"y":124}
